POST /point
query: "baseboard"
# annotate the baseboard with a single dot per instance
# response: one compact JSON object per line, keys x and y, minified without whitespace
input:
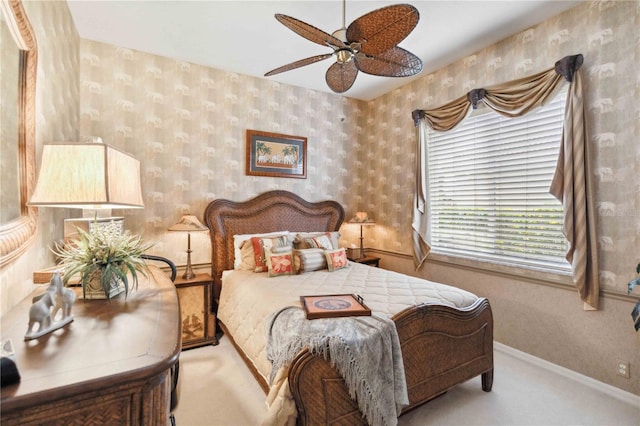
{"x":607,"y":389}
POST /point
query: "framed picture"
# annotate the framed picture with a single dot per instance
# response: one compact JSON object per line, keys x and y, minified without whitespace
{"x":275,"y":155}
{"x":334,"y":305}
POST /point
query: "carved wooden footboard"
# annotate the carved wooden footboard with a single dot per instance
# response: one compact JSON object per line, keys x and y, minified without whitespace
{"x":441,"y":347}
{"x":444,"y":346}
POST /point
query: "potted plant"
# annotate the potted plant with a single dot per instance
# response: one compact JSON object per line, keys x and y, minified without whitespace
{"x":107,"y":261}
{"x":635,"y":314}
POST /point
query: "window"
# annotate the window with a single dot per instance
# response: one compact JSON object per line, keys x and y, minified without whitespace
{"x":489,"y":188}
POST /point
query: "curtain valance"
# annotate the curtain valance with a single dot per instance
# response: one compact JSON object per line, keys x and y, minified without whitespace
{"x":511,"y":99}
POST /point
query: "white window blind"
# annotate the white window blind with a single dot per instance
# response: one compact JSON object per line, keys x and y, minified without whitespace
{"x":489,"y":188}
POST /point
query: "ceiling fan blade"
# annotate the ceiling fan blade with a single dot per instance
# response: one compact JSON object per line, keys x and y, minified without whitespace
{"x":382,"y":29}
{"x":340,"y":77}
{"x":298,"y":64}
{"x":310,"y":32}
{"x":395,"y":62}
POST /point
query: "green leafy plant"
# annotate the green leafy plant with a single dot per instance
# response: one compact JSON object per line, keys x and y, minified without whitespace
{"x":635,"y":314}
{"x":112,"y":254}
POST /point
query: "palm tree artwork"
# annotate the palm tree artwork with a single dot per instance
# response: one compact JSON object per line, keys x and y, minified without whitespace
{"x":264,"y":153}
{"x":272,"y":154}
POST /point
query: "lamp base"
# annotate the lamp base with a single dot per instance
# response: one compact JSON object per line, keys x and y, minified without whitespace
{"x":188,"y":273}
{"x":94,"y":288}
{"x":112,"y":224}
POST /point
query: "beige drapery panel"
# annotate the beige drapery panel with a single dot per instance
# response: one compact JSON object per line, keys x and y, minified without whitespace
{"x":571,"y":184}
{"x":421,"y":232}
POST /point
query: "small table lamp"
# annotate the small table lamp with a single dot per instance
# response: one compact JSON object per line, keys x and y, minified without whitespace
{"x":188,"y":223}
{"x":362,"y":219}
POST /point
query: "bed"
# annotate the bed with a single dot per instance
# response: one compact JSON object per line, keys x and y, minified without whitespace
{"x":442,"y":343}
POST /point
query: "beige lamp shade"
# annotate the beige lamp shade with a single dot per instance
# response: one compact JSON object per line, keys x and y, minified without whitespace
{"x":362,"y":218}
{"x":87,"y":176}
{"x":188,"y":223}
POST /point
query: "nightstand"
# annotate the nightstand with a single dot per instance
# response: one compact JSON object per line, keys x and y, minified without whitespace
{"x":368,"y":260}
{"x":198,"y":322}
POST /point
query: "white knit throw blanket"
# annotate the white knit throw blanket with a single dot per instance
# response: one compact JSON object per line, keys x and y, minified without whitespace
{"x":364,"y":349}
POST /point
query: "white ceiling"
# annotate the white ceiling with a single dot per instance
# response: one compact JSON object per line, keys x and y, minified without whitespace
{"x":244,"y":37}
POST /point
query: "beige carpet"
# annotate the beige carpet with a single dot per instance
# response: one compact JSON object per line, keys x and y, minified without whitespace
{"x":216,"y":388}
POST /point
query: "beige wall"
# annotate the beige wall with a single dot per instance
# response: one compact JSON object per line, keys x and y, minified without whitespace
{"x":547,"y":322}
{"x":186,"y":123}
{"x":57,"y":119}
{"x":10,"y":72}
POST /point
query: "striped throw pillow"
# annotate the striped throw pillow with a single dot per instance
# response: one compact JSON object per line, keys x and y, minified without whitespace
{"x":308,"y":260}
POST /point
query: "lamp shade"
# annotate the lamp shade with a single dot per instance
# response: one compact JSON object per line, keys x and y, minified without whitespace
{"x":188,"y":223}
{"x":87,"y":176}
{"x":362,"y":218}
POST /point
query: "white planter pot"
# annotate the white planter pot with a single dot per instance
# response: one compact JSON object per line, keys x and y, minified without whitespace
{"x":94,"y":288}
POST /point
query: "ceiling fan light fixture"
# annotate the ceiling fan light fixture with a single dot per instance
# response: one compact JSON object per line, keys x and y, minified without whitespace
{"x":344,"y":55}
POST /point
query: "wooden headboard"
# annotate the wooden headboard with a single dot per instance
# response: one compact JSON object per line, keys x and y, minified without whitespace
{"x":268,"y":212}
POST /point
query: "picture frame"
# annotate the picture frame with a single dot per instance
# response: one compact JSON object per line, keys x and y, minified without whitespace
{"x":276,"y":155}
{"x":334,"y":305}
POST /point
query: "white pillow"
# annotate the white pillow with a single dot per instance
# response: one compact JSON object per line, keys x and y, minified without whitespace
{"x":241,"y":238}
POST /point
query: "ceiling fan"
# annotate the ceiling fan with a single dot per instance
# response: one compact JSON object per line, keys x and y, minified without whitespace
{"x":369,"y":45}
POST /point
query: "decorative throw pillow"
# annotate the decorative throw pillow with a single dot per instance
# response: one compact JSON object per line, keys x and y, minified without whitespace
{"x":336,"y":259}
{"x":262,"y":245}
{"x":280,"y":263}
{"x":247,"y":259}
{"x":308,"y":260}
{"x":238,"y":243}
{"x":300,"y":242}
{"x":321,"y":242}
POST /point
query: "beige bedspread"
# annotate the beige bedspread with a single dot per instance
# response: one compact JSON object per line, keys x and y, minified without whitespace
{"x":247,"y":299}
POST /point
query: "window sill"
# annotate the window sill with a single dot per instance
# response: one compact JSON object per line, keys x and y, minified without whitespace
{"x":522,"y":273}
{"x":561,"y":281}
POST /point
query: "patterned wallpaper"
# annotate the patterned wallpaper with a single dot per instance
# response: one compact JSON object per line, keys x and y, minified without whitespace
{"x":606,"y":33}
{"x":9,"y":67}
{"x":186,"y":123}
{"x":57,"y":114}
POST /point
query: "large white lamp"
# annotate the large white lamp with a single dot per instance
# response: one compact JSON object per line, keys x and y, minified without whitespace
{"x":188,"y":223}
{"x":88,"y":176}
